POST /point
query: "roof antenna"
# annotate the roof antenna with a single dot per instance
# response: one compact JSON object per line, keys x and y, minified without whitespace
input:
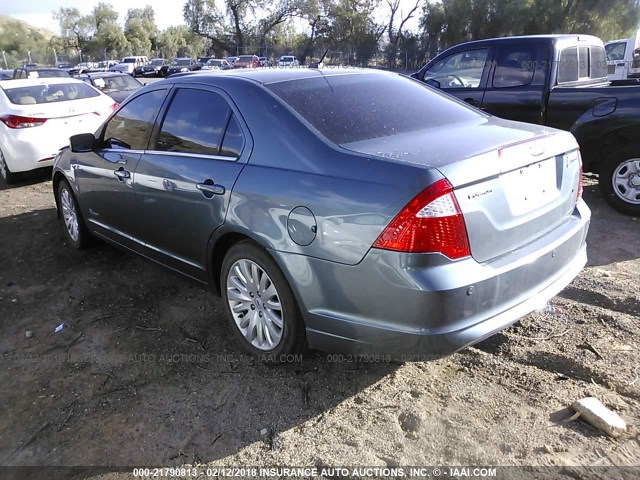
{"x":317,"y":64}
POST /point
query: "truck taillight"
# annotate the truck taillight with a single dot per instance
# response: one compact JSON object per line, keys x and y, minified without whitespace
{"x":580,"y":181}
{"x":16,"y":121}
{"x":431,"y":222}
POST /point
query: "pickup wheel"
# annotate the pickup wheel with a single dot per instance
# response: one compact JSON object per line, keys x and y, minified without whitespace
{"x":620,"y":179}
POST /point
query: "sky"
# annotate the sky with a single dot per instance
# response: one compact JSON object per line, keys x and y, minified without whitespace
{"x":168,"y":12}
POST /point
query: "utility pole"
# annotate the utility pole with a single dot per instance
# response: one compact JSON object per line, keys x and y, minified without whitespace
{"x":4,"y":57}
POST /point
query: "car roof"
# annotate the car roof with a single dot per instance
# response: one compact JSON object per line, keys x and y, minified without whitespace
{"x":268,"y":76}
{"x":556,"y":38}
{"x":28,"y":82}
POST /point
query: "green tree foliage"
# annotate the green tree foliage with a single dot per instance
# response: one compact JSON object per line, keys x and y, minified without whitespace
{"x":448,"y":22}
{"x":17,"y":39}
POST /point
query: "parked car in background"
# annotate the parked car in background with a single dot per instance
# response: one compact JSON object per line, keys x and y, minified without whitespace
{"x":202,"y":61}
{"x":247,"y":61}
{"x":559,"y":81}
{"x":288,"y":61}
{"x":65,"y":65}
{"x":154,"y":67}
{"x":117,"y":85}
{"x":265,"y":62}
{"x":37,"y":117}
{"x":232,"y":60}
{"x":453,"y":240}
{"x":216,"y":64}
{"x":103,"y":66}
{"x":6,"y":74}
{"x":37,"y":72}
{"x":129,"y":64}
{"x":620,"y":57}
{"x":181,"y":65}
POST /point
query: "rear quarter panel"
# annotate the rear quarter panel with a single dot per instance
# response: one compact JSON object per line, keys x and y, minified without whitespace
{"x":351,"y":197}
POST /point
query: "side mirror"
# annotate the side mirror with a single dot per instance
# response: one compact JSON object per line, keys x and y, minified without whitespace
{"x":82,"y":143}
{"x":432,"y":83}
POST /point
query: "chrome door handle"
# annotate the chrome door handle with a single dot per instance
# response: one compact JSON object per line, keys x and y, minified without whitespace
{"x":122,"y":174}
{"x":211,"y":189}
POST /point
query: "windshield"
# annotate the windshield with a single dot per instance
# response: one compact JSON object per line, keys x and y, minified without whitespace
{"x":214,"y":63}
{"x":37,"y":94}
{"x":286,"y":59}
{"x":413,"y":106}
{"x":129,"y":60}
{"x":245,"y":58}
{"x":182,"y":62}
{"x":119,"y":83}
{"x":156,"y":62}
{"x":615,"y":51}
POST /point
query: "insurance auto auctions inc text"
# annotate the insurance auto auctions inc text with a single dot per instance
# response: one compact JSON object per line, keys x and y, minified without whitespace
{"x":376,"y":472}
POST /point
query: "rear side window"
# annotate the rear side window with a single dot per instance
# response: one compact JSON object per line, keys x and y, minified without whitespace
{"x":37,"y":94}
{"x":582,"y":63}
{"x":598,"y":63}
{"x":514,"y":66}
{"x":132,"y":125}
{"x":194,"y":123}
{"x":353,"y":107}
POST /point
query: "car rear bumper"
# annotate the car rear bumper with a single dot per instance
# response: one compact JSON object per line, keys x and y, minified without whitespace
{"x":421,"y":307}
{"x":31,"y":150}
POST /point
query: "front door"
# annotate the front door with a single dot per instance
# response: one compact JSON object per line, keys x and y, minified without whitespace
{"x":105,"y":177}
{"x":183,"y":182}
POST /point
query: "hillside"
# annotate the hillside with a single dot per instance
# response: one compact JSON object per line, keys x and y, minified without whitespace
{"x":9,"y":22}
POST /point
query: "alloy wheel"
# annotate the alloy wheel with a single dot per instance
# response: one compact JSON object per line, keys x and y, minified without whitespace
{"x":70,"y":214}
{"x":255,"y":304}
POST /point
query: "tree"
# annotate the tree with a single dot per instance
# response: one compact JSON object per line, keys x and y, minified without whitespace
{"x":395,"y":34}
{"x":140,"y":30}
{"x":74,"y":27}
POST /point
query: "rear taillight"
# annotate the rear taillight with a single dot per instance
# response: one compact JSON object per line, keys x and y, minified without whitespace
{"x":16,"y":121}
{"x":431,"y":222}
{"x":114,"y":107}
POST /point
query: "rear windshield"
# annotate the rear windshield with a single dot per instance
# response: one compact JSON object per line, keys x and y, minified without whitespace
{"x":350,"y":108}
{"x":37,"y":94}
{"x":245,"y":58}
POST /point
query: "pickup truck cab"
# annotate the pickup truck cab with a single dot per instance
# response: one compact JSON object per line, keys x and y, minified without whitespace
{"x":559,"y":81}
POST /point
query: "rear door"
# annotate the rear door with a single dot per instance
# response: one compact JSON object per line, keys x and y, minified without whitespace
{"x":183,"y":182}
{"x":517,"y":84}
{"x":463,"y":74}
{"x":105,"y":176}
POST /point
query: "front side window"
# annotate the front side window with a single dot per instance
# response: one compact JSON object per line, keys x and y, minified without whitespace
{"x":132,"y":125}
{"x":461,"y":70}
{"x":194,"y":123}
{"x":515,"y":66}
{"x":616,"y":51}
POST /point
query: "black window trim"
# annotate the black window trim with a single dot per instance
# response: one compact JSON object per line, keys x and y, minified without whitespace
{"x":494,"y":68}
{"x":162,"y":114}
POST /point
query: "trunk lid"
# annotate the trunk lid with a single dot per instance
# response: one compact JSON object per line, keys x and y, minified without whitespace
{"x":513,"y":182}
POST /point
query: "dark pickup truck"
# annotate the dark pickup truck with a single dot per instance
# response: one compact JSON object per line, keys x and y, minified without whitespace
{"x":559,"y":81}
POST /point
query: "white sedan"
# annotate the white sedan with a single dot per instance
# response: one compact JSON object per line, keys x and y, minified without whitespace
{"x":37,"y":117}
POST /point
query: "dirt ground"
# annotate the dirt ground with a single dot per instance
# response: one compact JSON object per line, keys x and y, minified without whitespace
{"x":145,"y":371}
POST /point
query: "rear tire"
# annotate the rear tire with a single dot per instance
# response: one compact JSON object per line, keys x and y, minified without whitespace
{"x":619,"y":179}
{"x":74,"y":226}
{"x":261,"y":308}
{"x":7,"y":175}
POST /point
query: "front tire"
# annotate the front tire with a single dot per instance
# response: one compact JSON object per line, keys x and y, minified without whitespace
{"x":7,"y":175}
{"x":74,"y":227}
{"x":619,"y":180}
{"x":261,"y":308}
